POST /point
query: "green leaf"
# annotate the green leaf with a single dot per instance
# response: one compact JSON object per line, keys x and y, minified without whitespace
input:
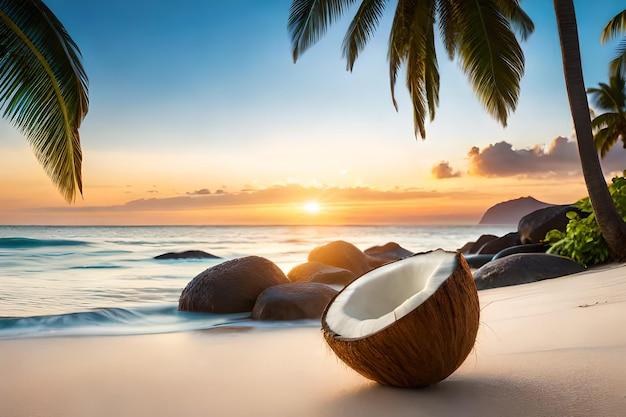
{"x":490,"y":56}
{"x":43,"y":88}
{"x":361,"y":29}
{"x":309,"y":20}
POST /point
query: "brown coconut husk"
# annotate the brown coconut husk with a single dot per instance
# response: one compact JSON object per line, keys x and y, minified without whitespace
{"x":423,"y":347}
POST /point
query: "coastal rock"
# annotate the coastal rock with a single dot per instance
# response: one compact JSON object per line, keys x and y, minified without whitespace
{"x":322,"y":273}
{"x":523,"y":268}
{"x":474,"y":247}
{"x":475,"y":261}
{"x":232,"y":286}
{"x":510,"y":212}
{"x":496,"y":245}
{"x":466,"y":248}
{"x":534,"y":226}
{"x":528,"y":248}
{"x":391,"y":251}
{"x":189,"y":254}
{"x":293,"y":301}
{"x":342,"y":255}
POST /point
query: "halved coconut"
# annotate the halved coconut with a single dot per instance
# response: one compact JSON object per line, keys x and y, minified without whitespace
{"x":410,"y":323}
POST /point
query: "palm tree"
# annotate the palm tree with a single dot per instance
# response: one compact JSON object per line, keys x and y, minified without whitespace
{"x":611,"y":225}
{"x":614,"y":27}
{"x":480,"y":33}
{"x":609,"y":126}
{"x":43,"y":88}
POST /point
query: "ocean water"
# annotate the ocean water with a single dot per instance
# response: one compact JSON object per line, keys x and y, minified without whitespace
{"x":75,"y":281}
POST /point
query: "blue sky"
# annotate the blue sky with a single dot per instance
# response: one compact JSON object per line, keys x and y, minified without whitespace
{"x":204,"y":95}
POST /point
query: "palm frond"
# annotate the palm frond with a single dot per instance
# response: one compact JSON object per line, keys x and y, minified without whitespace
{"x":614,"y":27}
{"x":618,"y":64}
{"x":490,"y":56}
{"x":412,"y":42}
{"x":448,"y":26}
{"x":309,"y":20}
{"x":611,"y":96}
{"x":605,"y":139}
{"x":43,"y":88}
{"x":361,"y":29}
{"x":518,"y":18}
{"x":605,"y":119}
{"x":602,"y":97}
{"x":608,"y":128}
{"x":432,"y":70}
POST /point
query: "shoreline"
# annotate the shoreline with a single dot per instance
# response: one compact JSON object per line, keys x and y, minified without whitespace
{"x":549,"y":348}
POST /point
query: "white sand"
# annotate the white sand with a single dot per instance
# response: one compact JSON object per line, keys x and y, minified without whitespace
{"x":554,"y":348}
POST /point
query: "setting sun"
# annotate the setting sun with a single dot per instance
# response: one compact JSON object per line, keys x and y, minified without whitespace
{"x":311,"y":207}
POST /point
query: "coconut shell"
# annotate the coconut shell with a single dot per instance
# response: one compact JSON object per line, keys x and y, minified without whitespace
{"x":423,"y":347}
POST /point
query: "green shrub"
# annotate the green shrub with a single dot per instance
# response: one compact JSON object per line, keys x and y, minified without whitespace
{"x":582,"y":240}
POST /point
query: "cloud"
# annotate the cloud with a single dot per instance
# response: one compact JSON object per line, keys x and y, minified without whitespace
{"x":560,"y":157}
{"x":443,"y":170}
{"x":283,"y":194}
{"x":203,"y":191}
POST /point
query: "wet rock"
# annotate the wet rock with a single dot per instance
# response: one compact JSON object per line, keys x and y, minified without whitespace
{"x":466,"y":248}
{"x":293,"y":301}
{"x":523,"y":268}
{"x":529,"y":248}
{"x":189,"y":254}
{"x":232,"y":286}
{"x":496,"y":245}
{"x":322,"y":273}
{"x":342,"y":255}
{"x":474,"y":247}
{"x":533,"y":227}
{"x":391,"y":251}
{"x":475,"y":261}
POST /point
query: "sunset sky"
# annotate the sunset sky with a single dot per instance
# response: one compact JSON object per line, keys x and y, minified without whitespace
{"x":198,"y":115}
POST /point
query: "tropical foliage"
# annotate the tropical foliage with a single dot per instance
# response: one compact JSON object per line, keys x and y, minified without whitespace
{"x":610,"y":126}
{"x":481,"y":34}
{"x":582,"y":240}
{"x":615,"y":27}
{"x":43,"y":88}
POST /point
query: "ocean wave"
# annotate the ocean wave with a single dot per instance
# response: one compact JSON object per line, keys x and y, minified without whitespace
{"x":158,"y":318}
{"x":25,"y":242}
{"x":113,"y":321}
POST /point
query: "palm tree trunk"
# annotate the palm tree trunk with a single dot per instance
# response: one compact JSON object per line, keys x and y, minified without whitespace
{"x":611,"y":224}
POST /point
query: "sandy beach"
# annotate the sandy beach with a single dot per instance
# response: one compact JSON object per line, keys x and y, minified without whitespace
{"x":552,"y":348}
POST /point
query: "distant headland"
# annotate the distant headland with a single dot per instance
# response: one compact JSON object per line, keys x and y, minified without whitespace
{"x":511,"y":211}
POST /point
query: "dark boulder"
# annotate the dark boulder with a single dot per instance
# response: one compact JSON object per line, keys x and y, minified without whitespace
{"x":529,"y":248}
{"x":293,"y":301}
{"x":523,"y":268}
{"x":232,"y":286}
{"x":475,"y":261}
{"x":342,"y":255}
{"x":322,"y":273}
{"x":189,"y":254}
{"x":466,"y":248}
{"x":533,"y":227}
{"x":496,"y":245}
{"x":475,"y":247}
{"x":391,"y":251}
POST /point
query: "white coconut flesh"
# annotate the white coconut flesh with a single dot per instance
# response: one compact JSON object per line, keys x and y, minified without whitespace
{"x":388,"y":293}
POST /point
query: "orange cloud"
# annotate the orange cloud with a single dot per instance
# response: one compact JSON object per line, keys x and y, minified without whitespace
{"x":443,"y":170}
{"x":283,"y":204}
